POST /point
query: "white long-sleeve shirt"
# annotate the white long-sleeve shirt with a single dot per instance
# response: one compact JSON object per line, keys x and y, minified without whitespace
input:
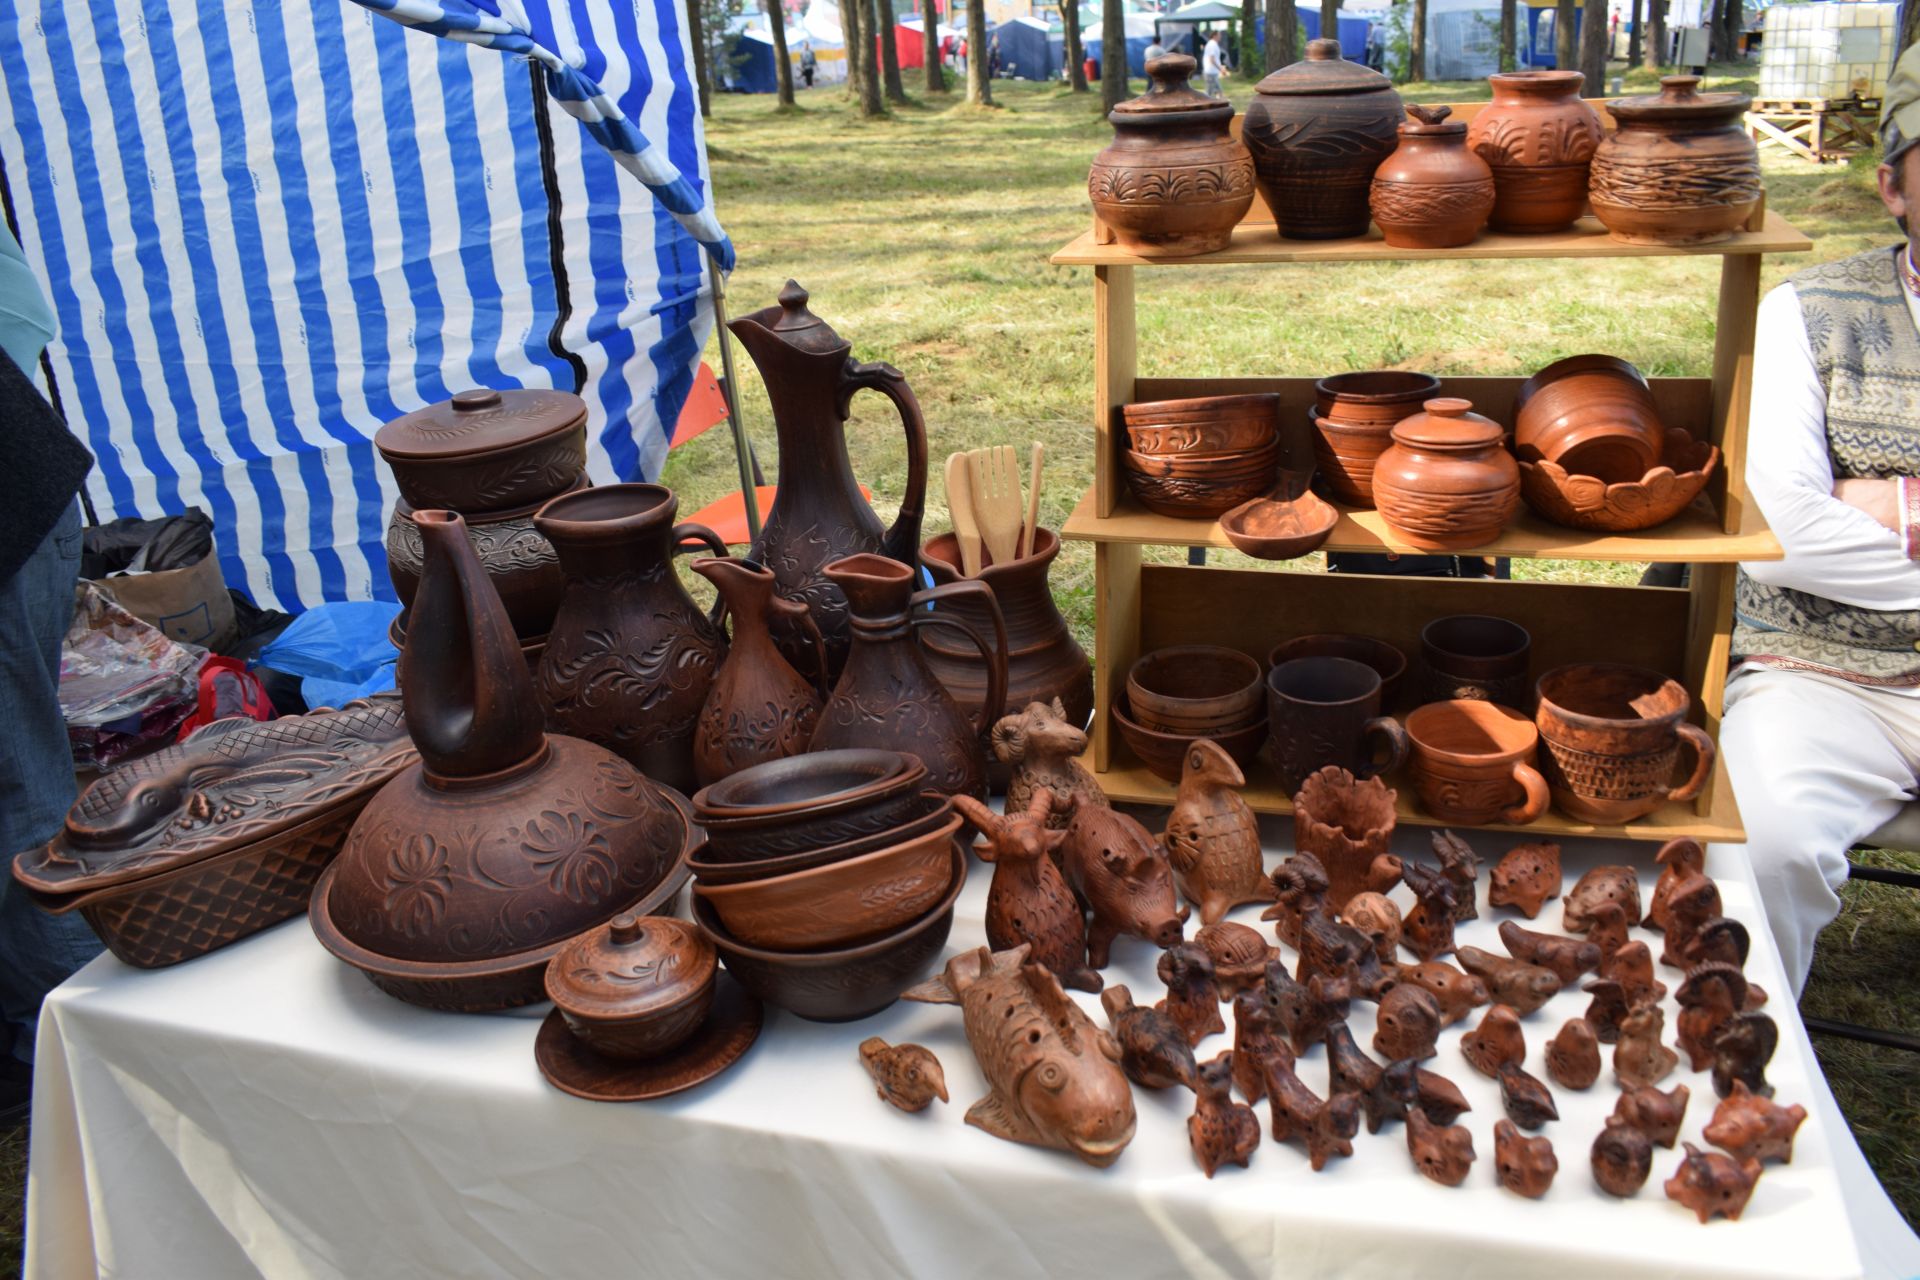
{"x":1833,"y":550}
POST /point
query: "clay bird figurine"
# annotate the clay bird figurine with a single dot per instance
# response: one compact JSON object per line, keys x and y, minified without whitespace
{"x":1691,"y":906}
{"x":1212,"y":838}
{"x":1622,"y":1158}
{"x":1741,"y":1052}
{"x":1569,"y":958}
{"x":1679,"y":859}
{"x":1573,"y":1055}
{"x":1193,"y":998}
{"x":1442,"y":1154}
{"x":1632,"y":967}
{"x":1378,"y":919}
{"x":1459,"y":994}
{"x":1526,"y":1165}
{"x":1044,"y":749}
{"x":1709,"y":1183}
{"x":905,"y":1075}
{"x":1439,"y":1098}
{"x":1528,"y":1102}
{"x":1385,"y":1093}
{"x":1497,"y":1041}
{"x":1220,"y":1130}
{"x":1639,"y":1058}
{"x":1511,"y":982}
{"x":1153,"y":1051}
{"x":1029,"y":902}
{"x":1407,"y":1024}
{"x":1656,"y":1114}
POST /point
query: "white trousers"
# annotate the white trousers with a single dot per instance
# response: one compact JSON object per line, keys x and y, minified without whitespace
{"x":1816,"y":764}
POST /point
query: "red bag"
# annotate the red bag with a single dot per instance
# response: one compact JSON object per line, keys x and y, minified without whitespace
{"x":227,"y":689}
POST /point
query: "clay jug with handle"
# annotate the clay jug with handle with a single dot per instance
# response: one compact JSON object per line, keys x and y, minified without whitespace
{"x":889,"y":697}
{"x":631,"y":656}
{"x":818,"y":513}
{"x":759,"y":708}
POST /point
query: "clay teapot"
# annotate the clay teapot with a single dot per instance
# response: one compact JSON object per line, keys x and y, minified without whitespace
{"x":1446,"y":483}
{"x":1538,"y":137}
{"x":1679,"y":169}
{"x":887,"y":696}
{"x":1172,"y":183}
{"x":759,"y":707}
{"x":1317,"y":130}
{"x":818,"y":514}
{"x":1432,"y":192}
{"x":631,"y":657}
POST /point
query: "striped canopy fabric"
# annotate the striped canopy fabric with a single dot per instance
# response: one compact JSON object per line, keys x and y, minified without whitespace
{"x":267,"y":228}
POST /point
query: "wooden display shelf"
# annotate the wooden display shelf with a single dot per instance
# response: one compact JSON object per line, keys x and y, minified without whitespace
{"x":1692,"y":537}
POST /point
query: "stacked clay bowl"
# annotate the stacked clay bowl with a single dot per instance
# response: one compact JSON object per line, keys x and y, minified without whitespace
{"x":1178,"y":695}
{"x":1353,"y":420}
{"x":1200,"y":458}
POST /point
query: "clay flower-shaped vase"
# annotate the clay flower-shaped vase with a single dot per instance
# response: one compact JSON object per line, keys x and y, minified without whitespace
{"x":1680,"y":167}
{"x":1345,"y":823}
{"x":1447,"y":483}
{"x":1538,"y":137}
{"x":759,"y":707}
{"x":1432,"y":192}
{"x":1172,"y":183}
{"x":1317,"y":130}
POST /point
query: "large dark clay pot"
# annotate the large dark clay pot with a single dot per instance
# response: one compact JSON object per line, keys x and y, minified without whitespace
{"x":1317,"y":130}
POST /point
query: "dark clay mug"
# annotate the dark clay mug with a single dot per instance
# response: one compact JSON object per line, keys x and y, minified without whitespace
{"x":1470,"y":655}
{"x":1324,"y":711}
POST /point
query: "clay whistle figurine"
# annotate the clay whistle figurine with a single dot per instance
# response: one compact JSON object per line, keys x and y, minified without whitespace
{"x":1525,"y":878}
{"x":1526,"y":1165}
{"x":1340,"y":952}
{"x":1622,"y":1159}
{"x":1741,"y":1052}
{"x":1212,"y":837}
{"x":1457,"y":993}
{"x":1439,"y":1098}
{"x":1725,"y":941}
{"x":1044,"y":749}
{"x":1239,"y":953}
{"x":1442,"y":1154}
{"x":1123,"y":878}
{"x":1512,"y":982}
{"x":1573,"y":1055}
{"x":1693,"y":903}
{"x":1326,"y":1127}
{"x":1609,"y":931}
{"x":1193,"y":1001}
{"x":1618,"y":885}
{"x":1461,"y":866}
{"x":1568,"y":958}
{"x":1053,"y":1077}
{"x":1711,"y":994}
{"x":1607,"y":1009}
{"x":1709,"y":1183}
{"x":906,"y":1075}
{"x":1220,"y":1130}
{"x":1305,"y":1010}
{"x":1678,"y":859}
{"x":1300,"y":887}
{"x":1528,"y":1102}
{"x":1632,"y":967}
{"x":1639,"y":1059}
{"x":1376,"y":916}
{"x":1029,"y":902}
{"x":1385,"y":1093}
{"x":1256,"y":1040}
{"x":1497,"y":1041}
{"x":1656,"y":1114}
{"x":1428,"y":928}
{"x":1749,"y":1127}
{"x":1153,"y":1051}
{"x":1408,"y":1023}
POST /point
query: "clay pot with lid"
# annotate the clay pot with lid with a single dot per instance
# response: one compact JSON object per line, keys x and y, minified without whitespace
{"x":1317,"y":130}
{"x":520,"y":562}
{"x":1353,"y":417}
{"x":1538,"y":137}
{"x":1679,"y":168}
{"x":487,"y":450}
{"x":636,"y":988}
{"x":1172,"y":183}
{"x":1447,"y":483}
{"x":1432,"y":192}
{"x":1590,"y":415}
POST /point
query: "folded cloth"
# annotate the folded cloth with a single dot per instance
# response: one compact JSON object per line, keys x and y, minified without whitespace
{"x":44,"y":467}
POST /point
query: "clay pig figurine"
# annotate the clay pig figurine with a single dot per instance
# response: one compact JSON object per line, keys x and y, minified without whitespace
{"x":1212,"y":838}
{"x":1121,"y":875}
{"x":1029,"y":902}
{"x":906,"y":1075}
{"x":1043,"y":749}
{"x":1153,"y":1050}
{"x":1525,"y":878}
{"x":1220,"y":1130}
{"x":1526,"y":1165}
{"x":1709,"y":1183}
{"x":1749,"y":1127}
{"x":1053,"y":1078}
{"x":1193,"y":999}
{"x":1441,"y":1154}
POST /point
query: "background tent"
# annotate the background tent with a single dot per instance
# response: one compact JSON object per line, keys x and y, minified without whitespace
{"x":750,"y":65}
{"x":1353,"y":31}
{"x":820,"y":26}
{"x":1139,"y":33}
{"x":1463,"y":38}
{"x":273,"y":227}
{"x":906,"y":40}
{"x":1028,"y":51}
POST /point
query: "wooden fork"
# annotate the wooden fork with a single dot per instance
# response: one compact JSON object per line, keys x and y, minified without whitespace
{"x":995,"y":474}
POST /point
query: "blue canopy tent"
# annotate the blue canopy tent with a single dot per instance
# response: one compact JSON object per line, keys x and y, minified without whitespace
{"x":1352,"y":32}
{"x":750,"y":66}
{"x":1026,"y":50}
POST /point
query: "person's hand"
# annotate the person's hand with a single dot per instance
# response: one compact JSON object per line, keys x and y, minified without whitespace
{"x":1878,"y":498}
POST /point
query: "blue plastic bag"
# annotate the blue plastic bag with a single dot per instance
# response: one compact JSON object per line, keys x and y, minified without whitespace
{"x":340,"y":651}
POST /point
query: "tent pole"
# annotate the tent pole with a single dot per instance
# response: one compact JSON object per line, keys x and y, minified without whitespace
{"x":730,"y":387}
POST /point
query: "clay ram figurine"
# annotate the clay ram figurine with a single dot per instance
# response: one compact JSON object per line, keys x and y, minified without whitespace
{"x":1043,"y":749}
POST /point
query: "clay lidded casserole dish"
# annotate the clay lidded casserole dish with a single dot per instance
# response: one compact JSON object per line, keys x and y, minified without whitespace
{"x":486,"y":450}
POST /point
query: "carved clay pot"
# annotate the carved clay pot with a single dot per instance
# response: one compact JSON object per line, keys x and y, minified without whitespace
{"x":520,"y":562}
{"x":637,"y":988}
{"x":1432,"y":192}
{"x":888,"y":697}
{"x":631,"y":657}
{"x":1202,"y":424}
{"x":1353,"y":418}
{"x":1447,"y":483}
{"x":1317,"y":130}
{"x":1200,"y":485}
{"x":1346,"y":823}
{"x":1172,"y":183}
{"x":759,"y":708}
{"x":1592,"y":415}
{"x":1538,"y":137}
{"x":1472,"y":763}
{"x":1614,"y":736}
{"x":1679,"y":168}
{"x":487,"y":450}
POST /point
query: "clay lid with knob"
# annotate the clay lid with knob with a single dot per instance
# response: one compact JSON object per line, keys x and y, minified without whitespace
{"x":631,"y":966}
{"x":1680,"y":102}
{"x":790,"y":320}
{"x":1448,"y":423}
{"x":481,"y":420}
{"x":1168,"y":91}
{"x":1431,"y":122}
{"x":1323,"y":70}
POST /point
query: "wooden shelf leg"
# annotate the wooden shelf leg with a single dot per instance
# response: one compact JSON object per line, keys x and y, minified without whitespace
{"x":1113,"y":373}
{"x":1116,"y":637}
{"x":1709,"y":647}
{"x":1733,"y":379}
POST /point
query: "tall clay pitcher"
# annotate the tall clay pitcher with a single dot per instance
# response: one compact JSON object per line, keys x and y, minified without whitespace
{"x":759,"y":708}
{"x":889,"y":697}
{"x":818,"y":513}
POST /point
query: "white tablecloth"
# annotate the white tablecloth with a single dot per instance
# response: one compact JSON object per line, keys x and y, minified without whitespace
{"x":264,"y":1110}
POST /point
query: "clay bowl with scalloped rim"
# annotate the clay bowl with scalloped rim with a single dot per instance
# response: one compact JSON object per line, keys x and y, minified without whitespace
{"x":1587,"y":502}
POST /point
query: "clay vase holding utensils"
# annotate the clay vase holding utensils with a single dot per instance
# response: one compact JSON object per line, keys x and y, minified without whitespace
{"x":1472,"y":763}
{"x":1614,"y":738}
{"x":1326,"y":711}
{"x":1470,"y":655}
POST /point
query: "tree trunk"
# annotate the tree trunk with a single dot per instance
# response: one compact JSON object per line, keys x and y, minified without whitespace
{"x":1247,"y":60}
{"x":1076,"y":56}
{"x":1716,"y":35}
{"x":979,"y":85}
{"x":1113,"y":54}
{"x":1282,"y":25}
{"x":697,"y":35}
{"x":1417,"y":43}
{"x":1566,"y":21}
{"x":930,"y":46}
{"x":1330,"y":23}
{"x":1593,"y":47}
{"x":1634,"y":35}
{"x":1732,"y":7}
{"x":850,"y":31}
{"x":871,"y":103}
{"x":1508,"y":57}
{"x":889,"y":53}
{"x":782,"y":66}
{"x":1653,"y":50}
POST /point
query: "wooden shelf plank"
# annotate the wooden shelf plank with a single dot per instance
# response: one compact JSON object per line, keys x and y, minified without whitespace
{"x":1693,"y":537}
{"x":1261,"y":242}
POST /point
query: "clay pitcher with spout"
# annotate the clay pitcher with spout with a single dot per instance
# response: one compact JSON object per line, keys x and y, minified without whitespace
{"x":759,"y":708}
{"x":818,"y":513}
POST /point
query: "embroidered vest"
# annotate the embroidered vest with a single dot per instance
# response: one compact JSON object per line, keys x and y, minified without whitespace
{"x":1867,"y":353}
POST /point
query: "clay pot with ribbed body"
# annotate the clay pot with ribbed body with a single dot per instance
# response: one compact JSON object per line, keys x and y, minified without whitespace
{"x":1172,"y":183}
{"x":1679,"y":169}
{"x":1353,"y":417}
{"x":1538,"y":137}
{"x":1432,"y":192}
{"x":1447,"y":484}
{"x":1317,"y":130}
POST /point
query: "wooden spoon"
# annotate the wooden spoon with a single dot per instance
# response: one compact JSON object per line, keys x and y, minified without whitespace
{"x":960,"y":506}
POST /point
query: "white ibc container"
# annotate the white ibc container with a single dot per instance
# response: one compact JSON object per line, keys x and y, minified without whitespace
{"x":1828,"y":49}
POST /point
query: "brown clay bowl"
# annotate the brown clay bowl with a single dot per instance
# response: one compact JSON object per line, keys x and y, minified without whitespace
{"x":1588,"y":502}
{"x":1205,"y":425}
{"x":1386,"y":660}
{"x":1200,"y":486}
{"x":707,"y":871}
{"x":1280,"y":528}
{"x":1195,"y":690}
{"x":1165,"y":754}
{"x":635,"y":988}
{"x":847,"y":983}
{"x":1373,"y":397}
{"x":1591,"y":415}
{"x":841,"y":903}
{"x":773,"y":815}
{"x":1344,"y":455}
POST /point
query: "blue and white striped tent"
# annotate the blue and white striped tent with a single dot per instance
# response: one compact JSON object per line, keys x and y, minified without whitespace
{"x":269,"y":227}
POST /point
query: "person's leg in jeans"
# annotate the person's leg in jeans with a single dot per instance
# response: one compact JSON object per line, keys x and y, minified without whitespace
{"x":37,"y":950}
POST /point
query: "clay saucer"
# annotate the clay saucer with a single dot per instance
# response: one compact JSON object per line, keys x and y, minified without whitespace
{"x":732,"y":1025}
{"x":1280,"y":528}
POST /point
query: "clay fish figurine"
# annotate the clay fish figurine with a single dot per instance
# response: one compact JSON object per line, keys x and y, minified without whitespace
{"x":906,"y":1075}
{"x":1054,"y":1078}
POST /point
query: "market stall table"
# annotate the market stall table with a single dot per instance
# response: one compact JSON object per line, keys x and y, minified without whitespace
{"x":264,"y":1110}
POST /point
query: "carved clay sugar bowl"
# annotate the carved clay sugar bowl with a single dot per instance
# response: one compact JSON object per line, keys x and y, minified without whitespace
{"x":1447,"y":482}
{"x":487,"y":450}
{"x":1196,"y":690}
{"x":520,"y":562}
{"x":1432,"y":192}
{"x":1317,"y":130}
{"x":1614,"y":738}
{"x":1591,"y":415}
{"x":1588,"y":502}
{"x":1172,"y":183}
{"x":1353,"y":418}
{"x":1202,"y":424}
{"x":1538,"y":137}
{"x":1679,"y":167}
{"x":636,"y":987}
{"x":809,"y":802}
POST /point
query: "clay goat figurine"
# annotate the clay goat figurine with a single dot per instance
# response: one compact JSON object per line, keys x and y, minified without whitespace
{"x":907,"y":1076}
{"x":1749,"y":1127}
{"x":1525,"y":1165}
{"x":1709,"y":1183}
{"x":1679,"y":859}
{"x":1326,"y":1127}
{"x":1656,"y":1114}
{"x":1044,"y":748}
{"x":1514,"y":982}
{"x":1220,"y":1130}
{"x":1525,"y":878}
{"x":1640,"y":1059}
{"x":1573,"y":1055}
{"x":1461,"y":867}
{"x":1622,"y":1159}
{"x":1428,"y":928}
{"x":1568,"y":958}
{"x":1212,"y":838}
{"x":1442,"y":1154}
{"x":1385,"y":1093}
{"x":1153,"y":1050}
{"x":1193,"y":1000}
{"x":1029,"y":901}
{"x":1122,"y":877}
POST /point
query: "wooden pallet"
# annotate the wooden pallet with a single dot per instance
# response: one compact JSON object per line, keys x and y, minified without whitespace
{"x":1815,"y":129}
